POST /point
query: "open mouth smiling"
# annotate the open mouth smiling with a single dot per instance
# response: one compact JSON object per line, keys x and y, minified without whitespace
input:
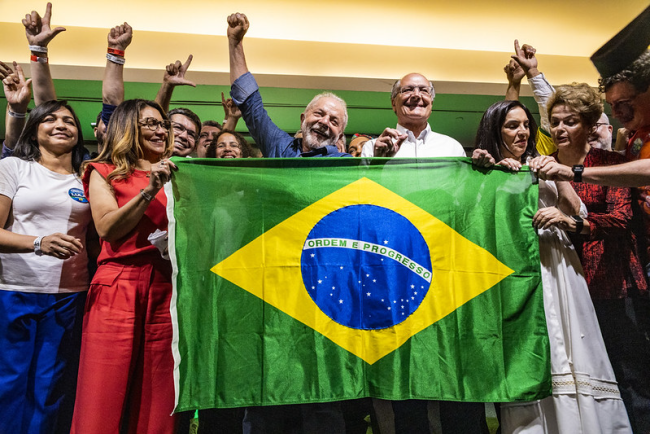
{"x":320,"y":133}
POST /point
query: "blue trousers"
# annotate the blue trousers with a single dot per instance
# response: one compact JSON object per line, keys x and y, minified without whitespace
{"x":40,"y":337}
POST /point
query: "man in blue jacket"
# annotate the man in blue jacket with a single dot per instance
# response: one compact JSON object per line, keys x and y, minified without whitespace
{"x":322,"y":123}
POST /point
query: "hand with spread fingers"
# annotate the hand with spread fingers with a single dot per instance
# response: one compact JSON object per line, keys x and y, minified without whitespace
{"x":175,"y":73}
{"x":5,"y":70}
{"x":18,"y":91}
{"x":38,"y":29}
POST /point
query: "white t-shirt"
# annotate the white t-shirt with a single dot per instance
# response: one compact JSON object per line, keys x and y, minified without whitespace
{"x":43,"y":202}
{"x":427,"y":144}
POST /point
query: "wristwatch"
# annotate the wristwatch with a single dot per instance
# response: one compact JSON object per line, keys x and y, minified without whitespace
{"x":37,"y":246}
{"x":577,"y":172}
{"x":579,"y":223}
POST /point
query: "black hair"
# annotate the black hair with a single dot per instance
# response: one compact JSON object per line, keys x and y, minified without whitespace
{"x":189,"y":114}
{"x":245,"y":148}
{"x":27,"y":147}
{"x":489,"y":137}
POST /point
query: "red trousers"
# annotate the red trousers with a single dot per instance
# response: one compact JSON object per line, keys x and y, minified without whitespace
{"x":125,"y":379}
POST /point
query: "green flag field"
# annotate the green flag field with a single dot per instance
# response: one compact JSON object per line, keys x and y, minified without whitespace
{"x":326,"y":279}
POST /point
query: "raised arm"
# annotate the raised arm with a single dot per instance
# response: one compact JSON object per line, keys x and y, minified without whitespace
{"x":542,"y":90}
{"x":515,"y":74}
{"x":39,"y":34}
{"x":119,"y":38}
{"x":525,"y":57}
{"x":18,"y":92}
{"x":232,"y":114}
{"x":237,"y":28}
{"x":174,"y":76}
{"x":272,"y":141}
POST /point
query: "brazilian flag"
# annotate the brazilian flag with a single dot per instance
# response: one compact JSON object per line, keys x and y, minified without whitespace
{"x":326,"y":279}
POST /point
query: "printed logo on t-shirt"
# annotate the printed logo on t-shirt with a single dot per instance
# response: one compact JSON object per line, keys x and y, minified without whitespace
{"x":78,"y":195}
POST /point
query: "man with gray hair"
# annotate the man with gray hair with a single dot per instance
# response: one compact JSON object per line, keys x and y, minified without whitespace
{"x":601,"y":138}
{"x":322,"y":123}
{"x":412,"y":98}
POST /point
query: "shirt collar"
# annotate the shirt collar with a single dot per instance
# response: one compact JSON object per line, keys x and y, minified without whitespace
{"x":325,"y":150}
{"x":423,"y":134}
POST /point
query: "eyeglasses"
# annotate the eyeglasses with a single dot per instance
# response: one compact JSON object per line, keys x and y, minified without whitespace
{"x":410,"y":90}
{"x":600,"y":124}
{"x":153,"y":124}
{"x":180,"y":129}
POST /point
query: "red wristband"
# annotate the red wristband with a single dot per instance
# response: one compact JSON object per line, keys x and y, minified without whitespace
{"x":116,"y":52}
{"x":38,"y":59}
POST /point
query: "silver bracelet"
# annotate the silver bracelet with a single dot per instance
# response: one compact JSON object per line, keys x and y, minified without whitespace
{"x":17,"y":115}
{"x":37,"y":246}
{"x":38,"y":49}
{"x":115,"y":59}
{"x":146,"y":195}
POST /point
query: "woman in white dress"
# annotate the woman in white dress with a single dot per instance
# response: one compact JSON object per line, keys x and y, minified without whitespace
{"x":585,"y":398}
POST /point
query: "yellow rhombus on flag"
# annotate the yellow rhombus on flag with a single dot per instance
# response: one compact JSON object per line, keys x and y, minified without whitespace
{"x":269,"y":267}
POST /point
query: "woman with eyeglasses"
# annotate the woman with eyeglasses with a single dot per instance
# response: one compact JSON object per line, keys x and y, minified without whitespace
{"x":43,"y":272}
{"x":125,"y":375}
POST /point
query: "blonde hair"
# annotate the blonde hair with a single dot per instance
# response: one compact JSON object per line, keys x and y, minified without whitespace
{"x":122,"y":146}
{"x":580,"y":97}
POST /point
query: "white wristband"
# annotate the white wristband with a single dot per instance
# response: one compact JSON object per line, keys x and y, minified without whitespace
{"x":37,"y":246}
{"x":38,"y":49}
{"x":115,"y":59}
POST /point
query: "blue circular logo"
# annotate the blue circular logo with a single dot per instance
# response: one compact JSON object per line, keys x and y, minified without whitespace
{"x":77,"y":195}
{"x":366,"y":267}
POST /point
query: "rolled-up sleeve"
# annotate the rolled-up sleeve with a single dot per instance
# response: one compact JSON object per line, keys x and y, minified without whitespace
{"x":272,"y":141}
